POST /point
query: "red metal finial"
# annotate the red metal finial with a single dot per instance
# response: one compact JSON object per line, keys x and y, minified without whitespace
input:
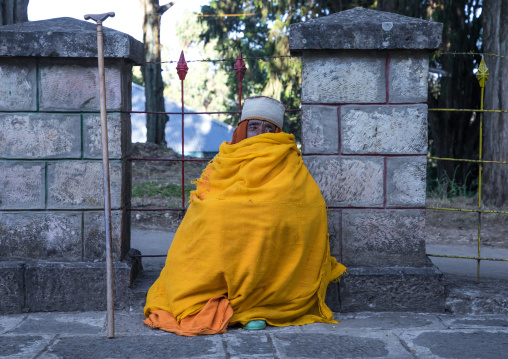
{"x":240,"y":67}
{"x":181,"y":67}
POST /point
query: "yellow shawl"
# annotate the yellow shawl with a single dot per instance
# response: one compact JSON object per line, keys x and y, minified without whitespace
{"x":256,"y":232}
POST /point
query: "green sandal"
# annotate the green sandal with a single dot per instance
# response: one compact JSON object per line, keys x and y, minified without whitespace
{"x":255,"y":325}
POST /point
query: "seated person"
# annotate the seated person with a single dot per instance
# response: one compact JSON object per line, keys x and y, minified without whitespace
{"x":253,"y":246}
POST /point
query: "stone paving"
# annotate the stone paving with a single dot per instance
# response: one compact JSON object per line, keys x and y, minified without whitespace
{"x":358,"y":335}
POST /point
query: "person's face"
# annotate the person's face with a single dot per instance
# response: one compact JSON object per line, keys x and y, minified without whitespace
{"x":257,"y":127}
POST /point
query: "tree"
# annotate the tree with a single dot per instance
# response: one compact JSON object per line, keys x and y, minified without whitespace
{"x":263,"y":31}
{"x":154,"y":87}
{"x":205,"y":84}
{"x":456,"y":134}
{"x":419,"y":9}
{"x":495,"y":40}
{"x":13,"y":11}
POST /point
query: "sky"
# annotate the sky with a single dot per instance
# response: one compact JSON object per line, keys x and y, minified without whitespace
{"x":128,"y":15}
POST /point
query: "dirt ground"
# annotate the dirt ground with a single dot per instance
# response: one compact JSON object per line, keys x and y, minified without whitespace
{"x":442,"y":227}
{"x":461,"y":228}
{"x":164,"y":173}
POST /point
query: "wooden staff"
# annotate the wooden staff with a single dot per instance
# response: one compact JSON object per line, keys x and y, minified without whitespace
{"x":99,"y":18}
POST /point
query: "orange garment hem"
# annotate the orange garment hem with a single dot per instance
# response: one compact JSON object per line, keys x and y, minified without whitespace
{"x":212,"y":319}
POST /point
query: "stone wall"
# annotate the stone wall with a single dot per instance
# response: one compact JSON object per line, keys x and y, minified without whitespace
{"x":51,"y":182}
{"x":364,"y":140}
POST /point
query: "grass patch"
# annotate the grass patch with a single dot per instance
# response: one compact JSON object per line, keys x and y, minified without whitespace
{"x":159,"y":189}
{"x":447,"y":188}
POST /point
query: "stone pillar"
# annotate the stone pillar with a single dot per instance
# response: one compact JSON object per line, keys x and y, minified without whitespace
{"x":52,"y":231}
{"x":364,"y":139}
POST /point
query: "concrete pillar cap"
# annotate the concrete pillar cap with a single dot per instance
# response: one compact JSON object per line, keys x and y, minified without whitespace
{"x":364,"y":29}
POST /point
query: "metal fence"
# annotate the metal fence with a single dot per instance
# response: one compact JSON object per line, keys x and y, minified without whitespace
{"x":240,"y":69}
{"x":182,"y":68}
{"x":482,"y":76}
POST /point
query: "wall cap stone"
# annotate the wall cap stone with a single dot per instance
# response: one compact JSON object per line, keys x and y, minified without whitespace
{"x":66,"y":37}
{"x":364,"y":29}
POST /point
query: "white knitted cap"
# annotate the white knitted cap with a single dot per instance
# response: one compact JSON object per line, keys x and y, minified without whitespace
{"x":263,"y":108}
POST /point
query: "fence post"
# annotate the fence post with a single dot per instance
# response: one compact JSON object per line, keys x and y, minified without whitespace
{"x":364,"y":139}
{"x":182,"y":69}
{"x":240,"y":70}
{"x":483,"y":76}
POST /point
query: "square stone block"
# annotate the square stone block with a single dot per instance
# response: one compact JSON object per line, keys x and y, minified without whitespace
{"x":465,"y":296}
{"x":365,"y":29}
{"x":36,"y":135}
{"x":343,"y":78}
{"x":383,"y":237}
{"x":11,"y":287}
{"x":95,"y":235}
{"x":406,"y":181}
{"x":74,"y":286}
{"x":18,"y":88}
{"x":384,"y":129}
{"x":335,"y":232}
{"x":22,"y":185}
{"x":393,"y":289}
{"x":408,"y":79}
{"x":119,"y":135}
{"x":75,"y":87}
{"x":348,"y":181}
{"x":320,"y":129}
{"x":79,"y":185}
{"x":41,"y":235}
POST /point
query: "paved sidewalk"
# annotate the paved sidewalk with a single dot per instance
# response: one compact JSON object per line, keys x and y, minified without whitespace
{"x":359,"y":335}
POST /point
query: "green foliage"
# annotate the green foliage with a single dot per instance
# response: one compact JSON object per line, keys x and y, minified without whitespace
{"x":205,"y":87}
{"x":159,"y":189}
{"x":448,"y":187}
{"x":137,"y":76}
{"x":263,"y":31}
